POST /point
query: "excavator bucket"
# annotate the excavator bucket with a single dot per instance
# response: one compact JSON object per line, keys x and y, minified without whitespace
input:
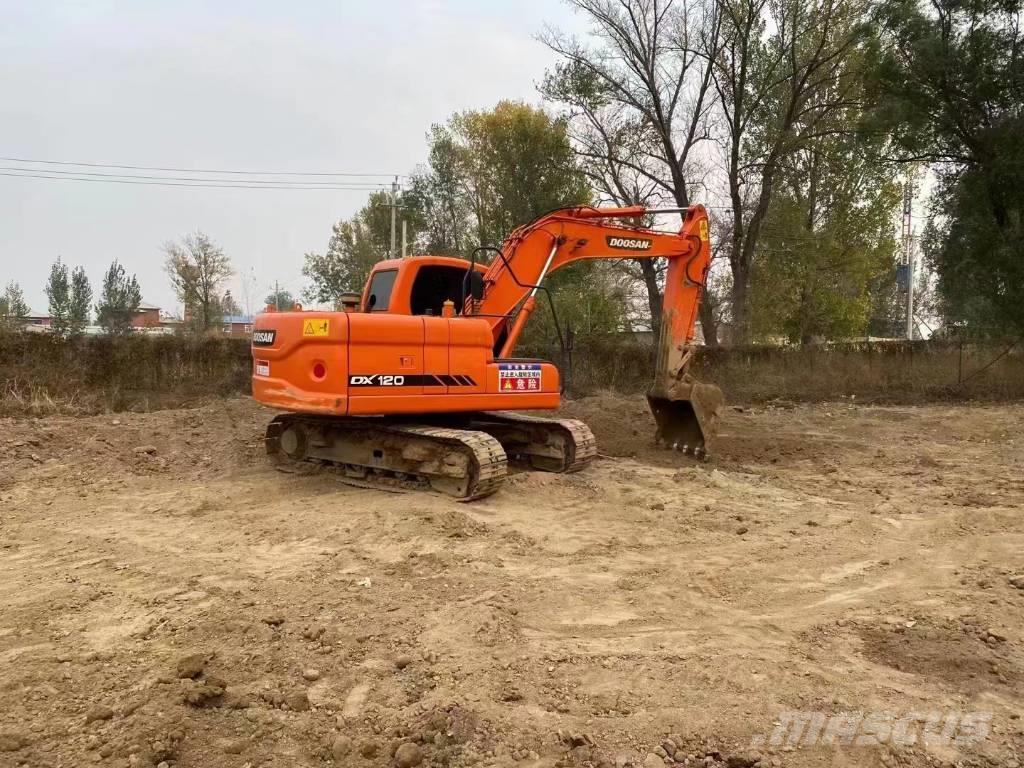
{"x":687,"y":415}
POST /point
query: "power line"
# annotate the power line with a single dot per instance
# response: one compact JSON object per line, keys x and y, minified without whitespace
{"x":192,"y":170}
{"x":282,"y":182}
{"x":239,"y":185}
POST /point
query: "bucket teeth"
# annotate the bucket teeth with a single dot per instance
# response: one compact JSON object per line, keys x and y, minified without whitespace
{"x":686,"y":415}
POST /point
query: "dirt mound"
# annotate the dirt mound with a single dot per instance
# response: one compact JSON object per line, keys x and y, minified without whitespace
{"x":960,"y":654}
{"x":764,"y":434}
{"x":622,"y":425}
{"x":210,"y":439}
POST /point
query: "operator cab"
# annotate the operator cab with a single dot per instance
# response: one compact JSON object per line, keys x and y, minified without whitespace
{"x":419,"y":285}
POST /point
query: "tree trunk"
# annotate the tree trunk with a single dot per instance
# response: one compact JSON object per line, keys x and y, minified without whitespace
{"x":708,"y":322}
{"x":650,"y":275}
{"x":740,"y":310}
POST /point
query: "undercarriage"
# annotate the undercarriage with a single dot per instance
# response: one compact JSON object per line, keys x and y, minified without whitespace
{"x":465,"y":456}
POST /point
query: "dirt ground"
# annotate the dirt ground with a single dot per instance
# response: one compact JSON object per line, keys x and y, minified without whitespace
{"x":168,"y":598}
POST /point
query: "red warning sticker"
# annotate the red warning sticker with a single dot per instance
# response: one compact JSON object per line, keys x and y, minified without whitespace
{"x":519,"y":377}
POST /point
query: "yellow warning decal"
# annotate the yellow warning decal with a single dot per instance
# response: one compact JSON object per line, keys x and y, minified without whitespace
{"x":316,"y":327}
{"x":703,"y":230}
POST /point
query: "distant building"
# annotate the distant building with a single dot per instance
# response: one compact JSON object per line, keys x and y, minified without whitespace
{"x":39,"y":320}
{"x":149,"y":320}
{"x":147,"y":316}
{"x":171,"y":324}
{"x":237,"y":325}
{"x":152,"y":320}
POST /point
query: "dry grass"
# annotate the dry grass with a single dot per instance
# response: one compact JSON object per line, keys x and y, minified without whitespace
{"x":891,"y":372}
{"x":19,"y":396}
{"x":41,"y":374}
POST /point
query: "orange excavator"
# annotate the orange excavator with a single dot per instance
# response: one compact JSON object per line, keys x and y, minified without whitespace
{"x":416,"y":382}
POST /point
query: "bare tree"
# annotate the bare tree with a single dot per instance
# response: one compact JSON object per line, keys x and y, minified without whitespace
{"x":198,"y":270}
{"x":775,"y":91}
{"x":642,"y":103}
{"x":648,"y":63}
{"x":614,"y":150}
{"x":704,"y":95}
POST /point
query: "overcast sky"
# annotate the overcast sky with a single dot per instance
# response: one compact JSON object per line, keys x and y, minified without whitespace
{"x":309,"y":85}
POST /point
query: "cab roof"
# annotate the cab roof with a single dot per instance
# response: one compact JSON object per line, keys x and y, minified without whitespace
{"x":438,"y":261}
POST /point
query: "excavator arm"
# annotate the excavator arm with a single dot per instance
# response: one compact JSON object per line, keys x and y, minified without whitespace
{"x":686,"y":411}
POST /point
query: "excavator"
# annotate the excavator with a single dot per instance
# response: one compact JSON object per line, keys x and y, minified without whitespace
{"x":415,"y":380}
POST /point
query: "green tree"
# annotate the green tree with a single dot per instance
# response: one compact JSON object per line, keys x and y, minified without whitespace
{"x":491,"y":171}
{"x":13,"y":309}
{"x":119,"y":300}
{"x":69,"y":300}
{"x":280,"y":298}
{"x":58,"y":293}
{"x":826,"y":255}
{"x":345,"y":266}
{"x":487,"y":172}
{"x":198,"y":269}
{"x":951,"y":93}
{"x":976,"y":243}
{"x":437,"y":195}
{"x":516,"y":165}
{"x":79,"y":301}
{"x":591,"y":299}
{"x":228,"y":304}
{"x":827,"y":246}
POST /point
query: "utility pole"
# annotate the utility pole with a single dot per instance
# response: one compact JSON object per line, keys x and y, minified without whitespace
{"x":908,"y":253}
{"x":277,"y":297}
{"x":404,"y":238}
{"x":394,"y":210}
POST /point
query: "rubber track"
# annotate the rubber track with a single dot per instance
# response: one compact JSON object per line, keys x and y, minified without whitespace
{"x":584,"y":444}
{"x":489,"y":463}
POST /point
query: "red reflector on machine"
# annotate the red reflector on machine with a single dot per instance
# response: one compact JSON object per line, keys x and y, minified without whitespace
{"x":319,"y":370}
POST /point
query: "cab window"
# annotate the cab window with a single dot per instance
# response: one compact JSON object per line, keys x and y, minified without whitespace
{"x":435,"y":284}
{"x":380,"y":290}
